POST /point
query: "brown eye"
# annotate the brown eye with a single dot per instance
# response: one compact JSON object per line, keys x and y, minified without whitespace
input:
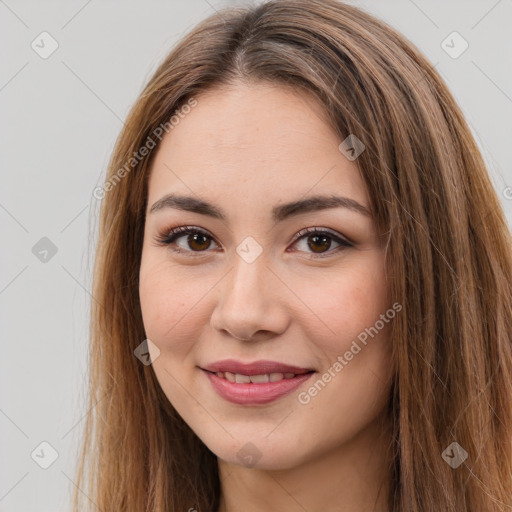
{"x":198,"y":241}
{"x":319,"y":242}
{"x":194,"y":240}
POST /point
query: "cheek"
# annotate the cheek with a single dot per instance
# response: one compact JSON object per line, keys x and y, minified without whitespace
{"x":167,"y":304}
{"x":346,"y":302}
{"x":353,"y":384}
{"x":353,"y":339}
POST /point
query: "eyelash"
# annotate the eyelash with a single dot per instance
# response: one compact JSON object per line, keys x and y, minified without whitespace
{"x":170,"y":236}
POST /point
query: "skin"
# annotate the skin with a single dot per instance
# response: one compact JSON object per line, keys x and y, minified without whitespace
{"x":246,"y":149}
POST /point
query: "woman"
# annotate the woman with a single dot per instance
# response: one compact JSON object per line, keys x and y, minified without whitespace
{"x":303,"y":284}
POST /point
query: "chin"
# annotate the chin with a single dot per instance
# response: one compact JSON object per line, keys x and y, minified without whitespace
{"x":259,"y":453}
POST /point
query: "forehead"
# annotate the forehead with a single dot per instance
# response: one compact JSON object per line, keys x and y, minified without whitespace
{"x":260,"y":142}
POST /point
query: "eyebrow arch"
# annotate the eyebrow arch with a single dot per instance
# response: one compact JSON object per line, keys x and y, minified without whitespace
{"x":279,"y":213}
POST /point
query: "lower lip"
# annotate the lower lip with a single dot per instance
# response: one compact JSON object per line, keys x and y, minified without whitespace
{"x":252,"y":394}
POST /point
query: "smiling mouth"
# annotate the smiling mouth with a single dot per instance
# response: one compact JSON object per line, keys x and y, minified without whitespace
{"x":254,"y":379}
{"x":255,"y":390}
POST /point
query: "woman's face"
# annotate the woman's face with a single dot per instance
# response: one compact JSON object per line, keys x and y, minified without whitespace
{"x":254,"y":287}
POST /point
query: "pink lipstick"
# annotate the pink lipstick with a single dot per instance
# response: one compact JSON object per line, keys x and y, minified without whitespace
{"x":259,"y":382}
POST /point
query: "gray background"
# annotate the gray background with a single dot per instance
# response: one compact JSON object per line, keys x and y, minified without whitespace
{"x":60,"y":117}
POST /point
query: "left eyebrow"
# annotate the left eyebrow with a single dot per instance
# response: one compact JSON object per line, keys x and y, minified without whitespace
{"x":279,"y":213}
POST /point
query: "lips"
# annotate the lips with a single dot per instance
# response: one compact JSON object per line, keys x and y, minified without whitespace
{"x":254,"y":383}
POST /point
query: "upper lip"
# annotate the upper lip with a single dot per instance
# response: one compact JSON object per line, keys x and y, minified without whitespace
{"x":260,"y":367}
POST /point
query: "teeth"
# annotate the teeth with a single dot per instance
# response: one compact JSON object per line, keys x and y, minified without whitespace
{"x":242,"y":379}
{"x":259,"y":378}
{"x":230,"y":376}
{"x":256,"y":379}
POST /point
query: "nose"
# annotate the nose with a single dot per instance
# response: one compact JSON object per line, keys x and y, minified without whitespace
{"x":250,"y":302}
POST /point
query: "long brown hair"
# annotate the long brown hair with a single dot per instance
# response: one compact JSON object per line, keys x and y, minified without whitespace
{"x":448,"y":258}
